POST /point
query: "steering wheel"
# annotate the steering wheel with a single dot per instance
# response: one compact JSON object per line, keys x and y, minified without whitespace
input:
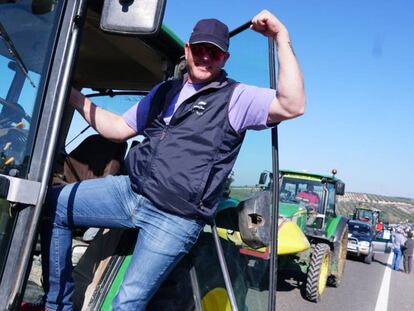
{"x":13,"y":138}
{"x":12,"y":113}
{"x":13,"y":143}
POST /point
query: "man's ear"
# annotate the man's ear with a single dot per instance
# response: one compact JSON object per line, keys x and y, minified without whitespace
{"x":186,"y":49}
{"x":226,"y":57}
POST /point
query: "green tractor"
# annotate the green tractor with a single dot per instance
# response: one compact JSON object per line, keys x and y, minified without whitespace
{"x":369,"y":215}
{"x":312,"y":237}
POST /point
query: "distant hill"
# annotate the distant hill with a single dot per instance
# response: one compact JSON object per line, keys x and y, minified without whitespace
{"x":394,"y":209}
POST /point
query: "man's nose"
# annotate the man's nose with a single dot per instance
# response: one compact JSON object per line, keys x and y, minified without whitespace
{"x":206,"y":56}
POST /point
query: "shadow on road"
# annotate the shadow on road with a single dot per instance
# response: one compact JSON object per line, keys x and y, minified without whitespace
{"x":290,"y":280}
{"x":352,"y":257}
{"x":381,"y":262}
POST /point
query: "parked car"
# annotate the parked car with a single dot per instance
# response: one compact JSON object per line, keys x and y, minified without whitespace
{"x":360,"y":240}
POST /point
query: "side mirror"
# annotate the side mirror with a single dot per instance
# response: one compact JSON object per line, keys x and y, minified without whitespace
{"x":340,"y":188}
{"x":263,"y":178}
{"x":136,"y":17}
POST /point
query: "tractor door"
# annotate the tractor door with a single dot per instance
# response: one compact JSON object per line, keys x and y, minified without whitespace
{"x":34,"y":63}
{"x":245,"y":205}
{"x":222,"y":270}
{"x":39,"y":42}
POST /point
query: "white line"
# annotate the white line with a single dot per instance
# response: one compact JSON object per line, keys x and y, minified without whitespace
{"x":382,"y":300}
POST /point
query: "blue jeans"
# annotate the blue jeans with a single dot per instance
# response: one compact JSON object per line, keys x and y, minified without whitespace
{"x":396,"y":259}
{"x":109,"y":202}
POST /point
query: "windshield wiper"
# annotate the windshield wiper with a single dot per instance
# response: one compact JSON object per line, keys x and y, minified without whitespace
{"x":13,"y":52}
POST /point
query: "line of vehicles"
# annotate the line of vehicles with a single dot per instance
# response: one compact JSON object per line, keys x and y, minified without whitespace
{"x":47,"y":47}
{"x":367,"y":234}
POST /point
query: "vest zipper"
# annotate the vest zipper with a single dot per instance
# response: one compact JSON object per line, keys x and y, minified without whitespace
{"x":163,"y":133}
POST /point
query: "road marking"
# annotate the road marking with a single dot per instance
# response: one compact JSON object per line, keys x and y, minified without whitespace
{"x":382,"y":300}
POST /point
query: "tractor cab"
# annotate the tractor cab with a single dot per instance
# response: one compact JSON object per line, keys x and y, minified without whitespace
{"x":368,"y":215}
{"x":315,"y":193}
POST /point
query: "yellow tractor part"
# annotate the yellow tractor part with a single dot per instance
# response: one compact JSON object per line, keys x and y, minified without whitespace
{"x":291,"y":239}
{"x":216,"y":300}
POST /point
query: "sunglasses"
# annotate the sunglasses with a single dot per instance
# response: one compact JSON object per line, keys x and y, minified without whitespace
{"x":199,"y":50}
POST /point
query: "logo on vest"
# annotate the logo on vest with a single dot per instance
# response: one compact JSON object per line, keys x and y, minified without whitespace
{"x":199,"y":108}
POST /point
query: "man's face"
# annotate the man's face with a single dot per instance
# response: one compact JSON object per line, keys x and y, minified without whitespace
{"x":204,"y":61}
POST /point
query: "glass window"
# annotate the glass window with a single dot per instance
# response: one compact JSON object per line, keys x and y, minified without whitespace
{"x":117,"y":104}
{"x":248,"y":268}
{"x":308,"y":192}
{"x":359,"y":229}
{"x":26,"y":34}
{"x":24,"y":56}
{"x":330,"y":208}
{"x":365,"y":215}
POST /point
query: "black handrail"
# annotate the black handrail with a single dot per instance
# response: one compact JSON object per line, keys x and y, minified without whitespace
{"x":275,"y":197}
{"x":240,"y":29}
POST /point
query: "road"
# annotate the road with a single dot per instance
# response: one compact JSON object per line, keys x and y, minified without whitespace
{"x":359,"y":290}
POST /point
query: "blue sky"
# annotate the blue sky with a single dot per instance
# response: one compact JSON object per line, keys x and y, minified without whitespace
{"x":358,"y":63}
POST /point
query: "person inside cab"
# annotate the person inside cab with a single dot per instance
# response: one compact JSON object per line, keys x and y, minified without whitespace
{"x":309,"y":195}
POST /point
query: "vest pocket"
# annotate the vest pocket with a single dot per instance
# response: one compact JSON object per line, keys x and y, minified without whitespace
{"x":201,"y":189}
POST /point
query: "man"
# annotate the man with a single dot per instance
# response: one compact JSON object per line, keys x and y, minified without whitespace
{"x":309,"y":195}
{"x":408,"y":252}
{"x":398,"y":240}
{"x":193,"y":131}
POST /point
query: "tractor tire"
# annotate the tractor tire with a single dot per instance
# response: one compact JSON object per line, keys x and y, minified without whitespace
{"x":335,"y":280}
{"x":318,"y":272}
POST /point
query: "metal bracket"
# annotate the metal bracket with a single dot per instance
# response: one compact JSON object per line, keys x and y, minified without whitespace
{"x":19,"y":190}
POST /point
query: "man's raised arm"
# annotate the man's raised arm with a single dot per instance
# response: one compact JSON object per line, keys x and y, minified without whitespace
{"x":106,"y":123}
{"x":290,"y":99}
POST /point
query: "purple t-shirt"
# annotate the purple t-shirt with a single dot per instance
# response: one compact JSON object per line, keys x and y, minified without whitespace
{"x":248,"y":109}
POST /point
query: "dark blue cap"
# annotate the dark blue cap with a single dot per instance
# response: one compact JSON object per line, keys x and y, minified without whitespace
{"x":211,"y":31}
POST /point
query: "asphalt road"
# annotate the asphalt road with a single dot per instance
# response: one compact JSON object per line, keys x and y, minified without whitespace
{"x":359,"y":290}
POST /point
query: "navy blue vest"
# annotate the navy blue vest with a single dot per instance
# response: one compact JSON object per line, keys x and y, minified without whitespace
{"x":182,"y":167}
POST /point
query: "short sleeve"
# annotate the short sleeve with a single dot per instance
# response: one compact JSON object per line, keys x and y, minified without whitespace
{"x":137,"y":115}
{"x":249,"y":107}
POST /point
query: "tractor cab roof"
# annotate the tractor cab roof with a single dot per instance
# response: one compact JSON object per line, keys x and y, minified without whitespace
{"x":310,"y":176}
{"x":124,"y":62}
{"x":367,"y":208}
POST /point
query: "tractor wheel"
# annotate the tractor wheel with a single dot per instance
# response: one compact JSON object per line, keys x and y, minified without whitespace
{"x":335,"y":280}
{"x":318,"y":271}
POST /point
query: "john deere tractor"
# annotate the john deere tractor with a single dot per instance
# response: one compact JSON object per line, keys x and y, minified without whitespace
{"x":312,"y":237}
{"x":309,"y":200}
{"x":369,"y":215}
